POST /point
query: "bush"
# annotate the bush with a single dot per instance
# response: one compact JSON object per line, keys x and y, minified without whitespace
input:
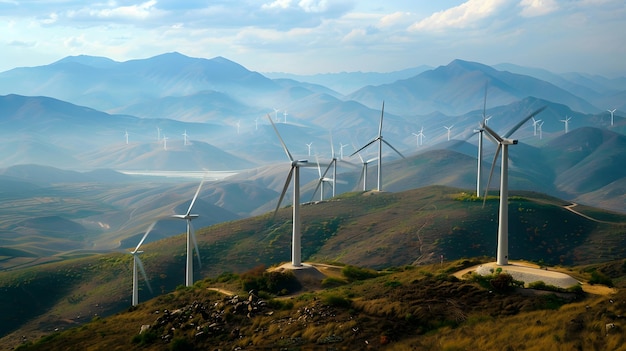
{"x":358,"y":273}
{"x":336,"y":301}
{"x":278,"y":283}
{"x":180,"y":344}
{"x":598,"y":277}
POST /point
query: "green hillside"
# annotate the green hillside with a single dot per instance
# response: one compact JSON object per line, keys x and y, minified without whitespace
{"x":374,"y":230}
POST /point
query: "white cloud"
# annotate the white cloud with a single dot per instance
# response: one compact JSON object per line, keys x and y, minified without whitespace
{"x":277,"y":4}
{"x":394,"y":19}
{"x":534,"y":8}
{"x":132,"y":12}
{"x":459,"y":17}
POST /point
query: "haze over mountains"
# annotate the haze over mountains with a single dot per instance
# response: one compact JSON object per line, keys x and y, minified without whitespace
{"x":71,"y":124}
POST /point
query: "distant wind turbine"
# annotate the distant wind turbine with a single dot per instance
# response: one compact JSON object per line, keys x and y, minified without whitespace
{"x":612,"y":112}
{"x":138,"y":264}
{"x":322,"y":179}
{"x":566,"y":121}
{"x":380,"y":141}
{"x":285,"y":116}
{"x":363,"y":175}
{"x":540,"y":130}
{"x":449,"y":129}
{"x":276,"y":114}
{"x":503,"y":214}
{"x":191,"y":237}
{"x":341,"y":146}
{"x":309,"y":147}
{"x":535,"y":125}
{"x":126,"y":134}
{"x":185,"y":138}
{"x":164,"y":142}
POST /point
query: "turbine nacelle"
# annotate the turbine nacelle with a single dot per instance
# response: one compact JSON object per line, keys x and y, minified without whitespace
{"x":186,"y":216}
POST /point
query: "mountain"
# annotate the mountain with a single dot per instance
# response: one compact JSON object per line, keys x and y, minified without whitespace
{"x":460,"y":86}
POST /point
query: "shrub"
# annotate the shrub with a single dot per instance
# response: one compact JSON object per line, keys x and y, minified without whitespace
{"x":598,"y":277}
{"x":331,"y":282}
{"x":280,"y":283}
{"x":180,"y":344}
{"x":337,"y":301}
{"x":358,"y":273}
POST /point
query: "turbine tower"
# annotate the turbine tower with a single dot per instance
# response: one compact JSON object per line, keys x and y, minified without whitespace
{"x":276,"y":114}
{"x":126,"y":135}
{"x":420,"y":135}
{"x":138,"y":264}
{"x":191,"y":237}
{"x":285,"y":116}
{"x":540,"y":130}
{"x":185,"y":138}
{"x":380,"y":141}
{"x":296,"y":251}
{"x":612,"y":112}
{"x":341,"y":150}
{"x":503,"y":214}
{"x":309,"y":147}
{"x":566,"y":121}
{"x":449,"y":129}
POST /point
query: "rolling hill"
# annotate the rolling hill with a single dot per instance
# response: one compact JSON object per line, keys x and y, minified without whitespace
{"x":374,"y":230}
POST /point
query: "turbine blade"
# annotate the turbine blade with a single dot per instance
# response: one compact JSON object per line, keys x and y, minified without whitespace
{"x":193,"y":201}
{"x":332,"y":145}
{"x":493,"y":134}
{"x":195,"y":243}
{"x":393,"y":148}
{"x":485,"y":103}
{"x":319,"y":169}
{"x":143,"y":272}
{"x":145,"y":235}
{"x":281,"y":139}
{"x":319,"y":183}
{"x":361,"y":176}
{"x":517,"y":126}
{"x":366,"y":145}
{"x":356,"y":152}
{"x":327,"y":168}
{"x":493,"y":165}
{"x":282,"y":195}
{"x":380,"y":127}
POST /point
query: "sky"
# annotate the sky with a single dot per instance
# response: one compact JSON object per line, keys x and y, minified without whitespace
{"x":323,"y":36}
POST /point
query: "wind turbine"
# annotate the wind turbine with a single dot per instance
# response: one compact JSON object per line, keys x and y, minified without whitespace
{"x":380,"y":141}
{"x":540,"y":130}
{"x":417,"y":139}
{"x":535,"y":124}
{"x":185,"y":138}
{"x":566,"y":121}
{"x":276,"y":114}
{"x":420,"y":135}
{"x":296,"y":251}
{"x":309,"y":147}
{"x":364,"y":170}
{"x":322,"y":179}
{"x":503,"y":214}
{"x":341,"y":150}
{"x":612,"y":112}
{"x":449,"y":128}
{"x":137,"y":263}
{"x":285,"y":116}
{"x":165,"y":142}
{"x":191,"y":237}
{"x":126,"y":134}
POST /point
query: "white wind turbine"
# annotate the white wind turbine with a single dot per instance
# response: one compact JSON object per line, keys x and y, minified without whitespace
{"x":309,"y":147}
{"x":612,"y":112}
{"x":322,"y":179}
{"x":449,"y":129}
{"x":191,"y":237}
{"x":364,"y":170}
{"x":341,"y":150}
{"x":417,"y":139}
{"x":380,"y":141}
{"x":138,"y":264}
{"x":185,"y":138}
{"x":535,"y":125}
{"x":540,"y":130}
{"x":566,"y":121}
{"x":503,"y":214}
{"x":164,"y":142}
{"x":276,"y":114}
{"x":296,"y":251}
{"x":420,"y":135}
{"x":126,"y":135}
{"x":285,"y":116}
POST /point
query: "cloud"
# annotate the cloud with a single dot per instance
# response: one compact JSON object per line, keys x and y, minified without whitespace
{"x":132,"y":12}
{"x":465,"y":15}
{"x":534,"y":8}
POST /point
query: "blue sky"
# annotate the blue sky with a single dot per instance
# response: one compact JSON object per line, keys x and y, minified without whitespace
{"x":320,"y":36}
